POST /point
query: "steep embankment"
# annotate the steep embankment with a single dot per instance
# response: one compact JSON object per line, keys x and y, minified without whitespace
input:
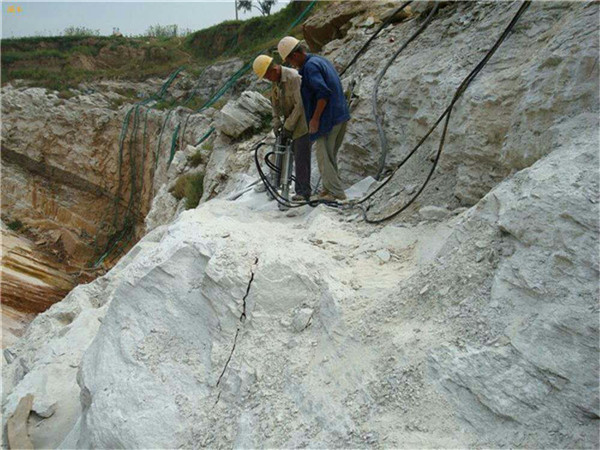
{"x":67,"y":170}
{"x":73,"y":184}
{"x":239,"y":325}
{"x":63,"y":62}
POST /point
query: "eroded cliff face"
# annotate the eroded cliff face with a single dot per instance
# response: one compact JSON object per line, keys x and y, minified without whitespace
{"x":235,"y":324}
{"x":77,"y":176}
{"x":65,"y":175}
{"x":31,"y":282}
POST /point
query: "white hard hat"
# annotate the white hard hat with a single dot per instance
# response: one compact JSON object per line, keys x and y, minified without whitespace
{"x":286,"y":45}
{"x":261,"y":64}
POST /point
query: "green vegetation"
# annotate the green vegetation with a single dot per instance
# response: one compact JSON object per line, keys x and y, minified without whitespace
{"x":92,"y":50}
{"x":66,"y":94}
{"x":80,"y":55}
{"x":190,"y":187}
{"x":264,"y":6}
{"x":163,"y":31}
{"x":163,"y":105}
{"x":195,"y":103}
{"x":219,"y":103}
{"x":118,"y":102}
{"x":199,"y":157}
{"x":10,"y":57}
{"x":15,"y":225}
{"x":63,"y":62}
{"x":244,"y":38}
{"x":80,"y":31}
{"x":267,"y":122}
{"x":196,"y":159}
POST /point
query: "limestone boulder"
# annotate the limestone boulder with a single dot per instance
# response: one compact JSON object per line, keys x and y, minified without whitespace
{"x":321,"y":28}
{"x":250,"y":112}
{"x":539,"y":368}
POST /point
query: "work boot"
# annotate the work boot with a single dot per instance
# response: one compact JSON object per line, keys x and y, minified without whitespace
{"x":324,"y":195}
{"x":327,"y":196}
{"x":300,"y":198}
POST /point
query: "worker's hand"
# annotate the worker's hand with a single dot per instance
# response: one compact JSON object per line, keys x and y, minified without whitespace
{"x":313,"y":126}
{"x":286,"y":134}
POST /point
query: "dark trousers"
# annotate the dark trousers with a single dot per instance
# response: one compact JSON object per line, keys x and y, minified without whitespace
{"x":301,"y":148}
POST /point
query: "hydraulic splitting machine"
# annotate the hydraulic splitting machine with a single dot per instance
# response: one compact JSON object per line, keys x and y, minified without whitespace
{"x":281,"y":174}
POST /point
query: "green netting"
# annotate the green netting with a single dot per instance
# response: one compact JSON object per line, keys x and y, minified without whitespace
{"x":124,"y":228}
{"x":173,"y":144}
{"x":206,"y":135}
{"x":245,"y":68}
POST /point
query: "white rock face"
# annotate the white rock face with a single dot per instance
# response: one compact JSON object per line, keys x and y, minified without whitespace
{"x":241,"y":326}
{"x":433,"y":213}
{"x":215,"y":337}
{"x":246,"y":315}
{"x":243,"y":114}
{"x":508,"y":118}
{"x":543,"y":369}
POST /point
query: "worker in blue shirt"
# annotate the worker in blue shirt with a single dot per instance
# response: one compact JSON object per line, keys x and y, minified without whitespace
{"x":325,"y":108}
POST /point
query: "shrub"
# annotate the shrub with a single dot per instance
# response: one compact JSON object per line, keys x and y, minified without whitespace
{"x":162,"y":31}
{"x":196,"y":159}
{"x":178,"y":189}
{"x":194,"y":190}
{"x":80,"y":31}
{"x":15,"y":225}
{"x":190,"y":187}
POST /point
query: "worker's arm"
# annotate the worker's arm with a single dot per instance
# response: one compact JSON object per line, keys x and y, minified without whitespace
{"x":298,"y":111}
{"x":276,"y":112}
{"x":322,"y":94}
{"x":313,"y":127}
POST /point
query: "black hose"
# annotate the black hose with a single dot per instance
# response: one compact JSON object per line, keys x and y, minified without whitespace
{"x":382,"y":137}
{"x":273,"y":167}
{"x":277,"y":196}
{"x":447,"y":113}
{"x":366,"y":44}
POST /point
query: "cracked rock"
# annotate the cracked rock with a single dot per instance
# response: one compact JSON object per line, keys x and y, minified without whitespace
{"x":302,"y":319}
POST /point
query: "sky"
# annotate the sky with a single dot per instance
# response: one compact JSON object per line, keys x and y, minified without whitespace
{"x":132,"y":18}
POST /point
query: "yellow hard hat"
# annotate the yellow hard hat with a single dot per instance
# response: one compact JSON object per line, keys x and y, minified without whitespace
{"x":261,"y":64}
{"x":286,"y":45}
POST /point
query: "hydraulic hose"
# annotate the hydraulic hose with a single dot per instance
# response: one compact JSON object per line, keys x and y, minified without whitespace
{"x":273,"y":167}
{"x":366,"y":44}
{"x":447,"y":113}
{"x":278,"y":197}
{"x":382,"y":137}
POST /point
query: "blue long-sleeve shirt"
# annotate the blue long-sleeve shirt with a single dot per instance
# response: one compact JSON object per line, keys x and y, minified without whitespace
{"x":320,"y":80}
